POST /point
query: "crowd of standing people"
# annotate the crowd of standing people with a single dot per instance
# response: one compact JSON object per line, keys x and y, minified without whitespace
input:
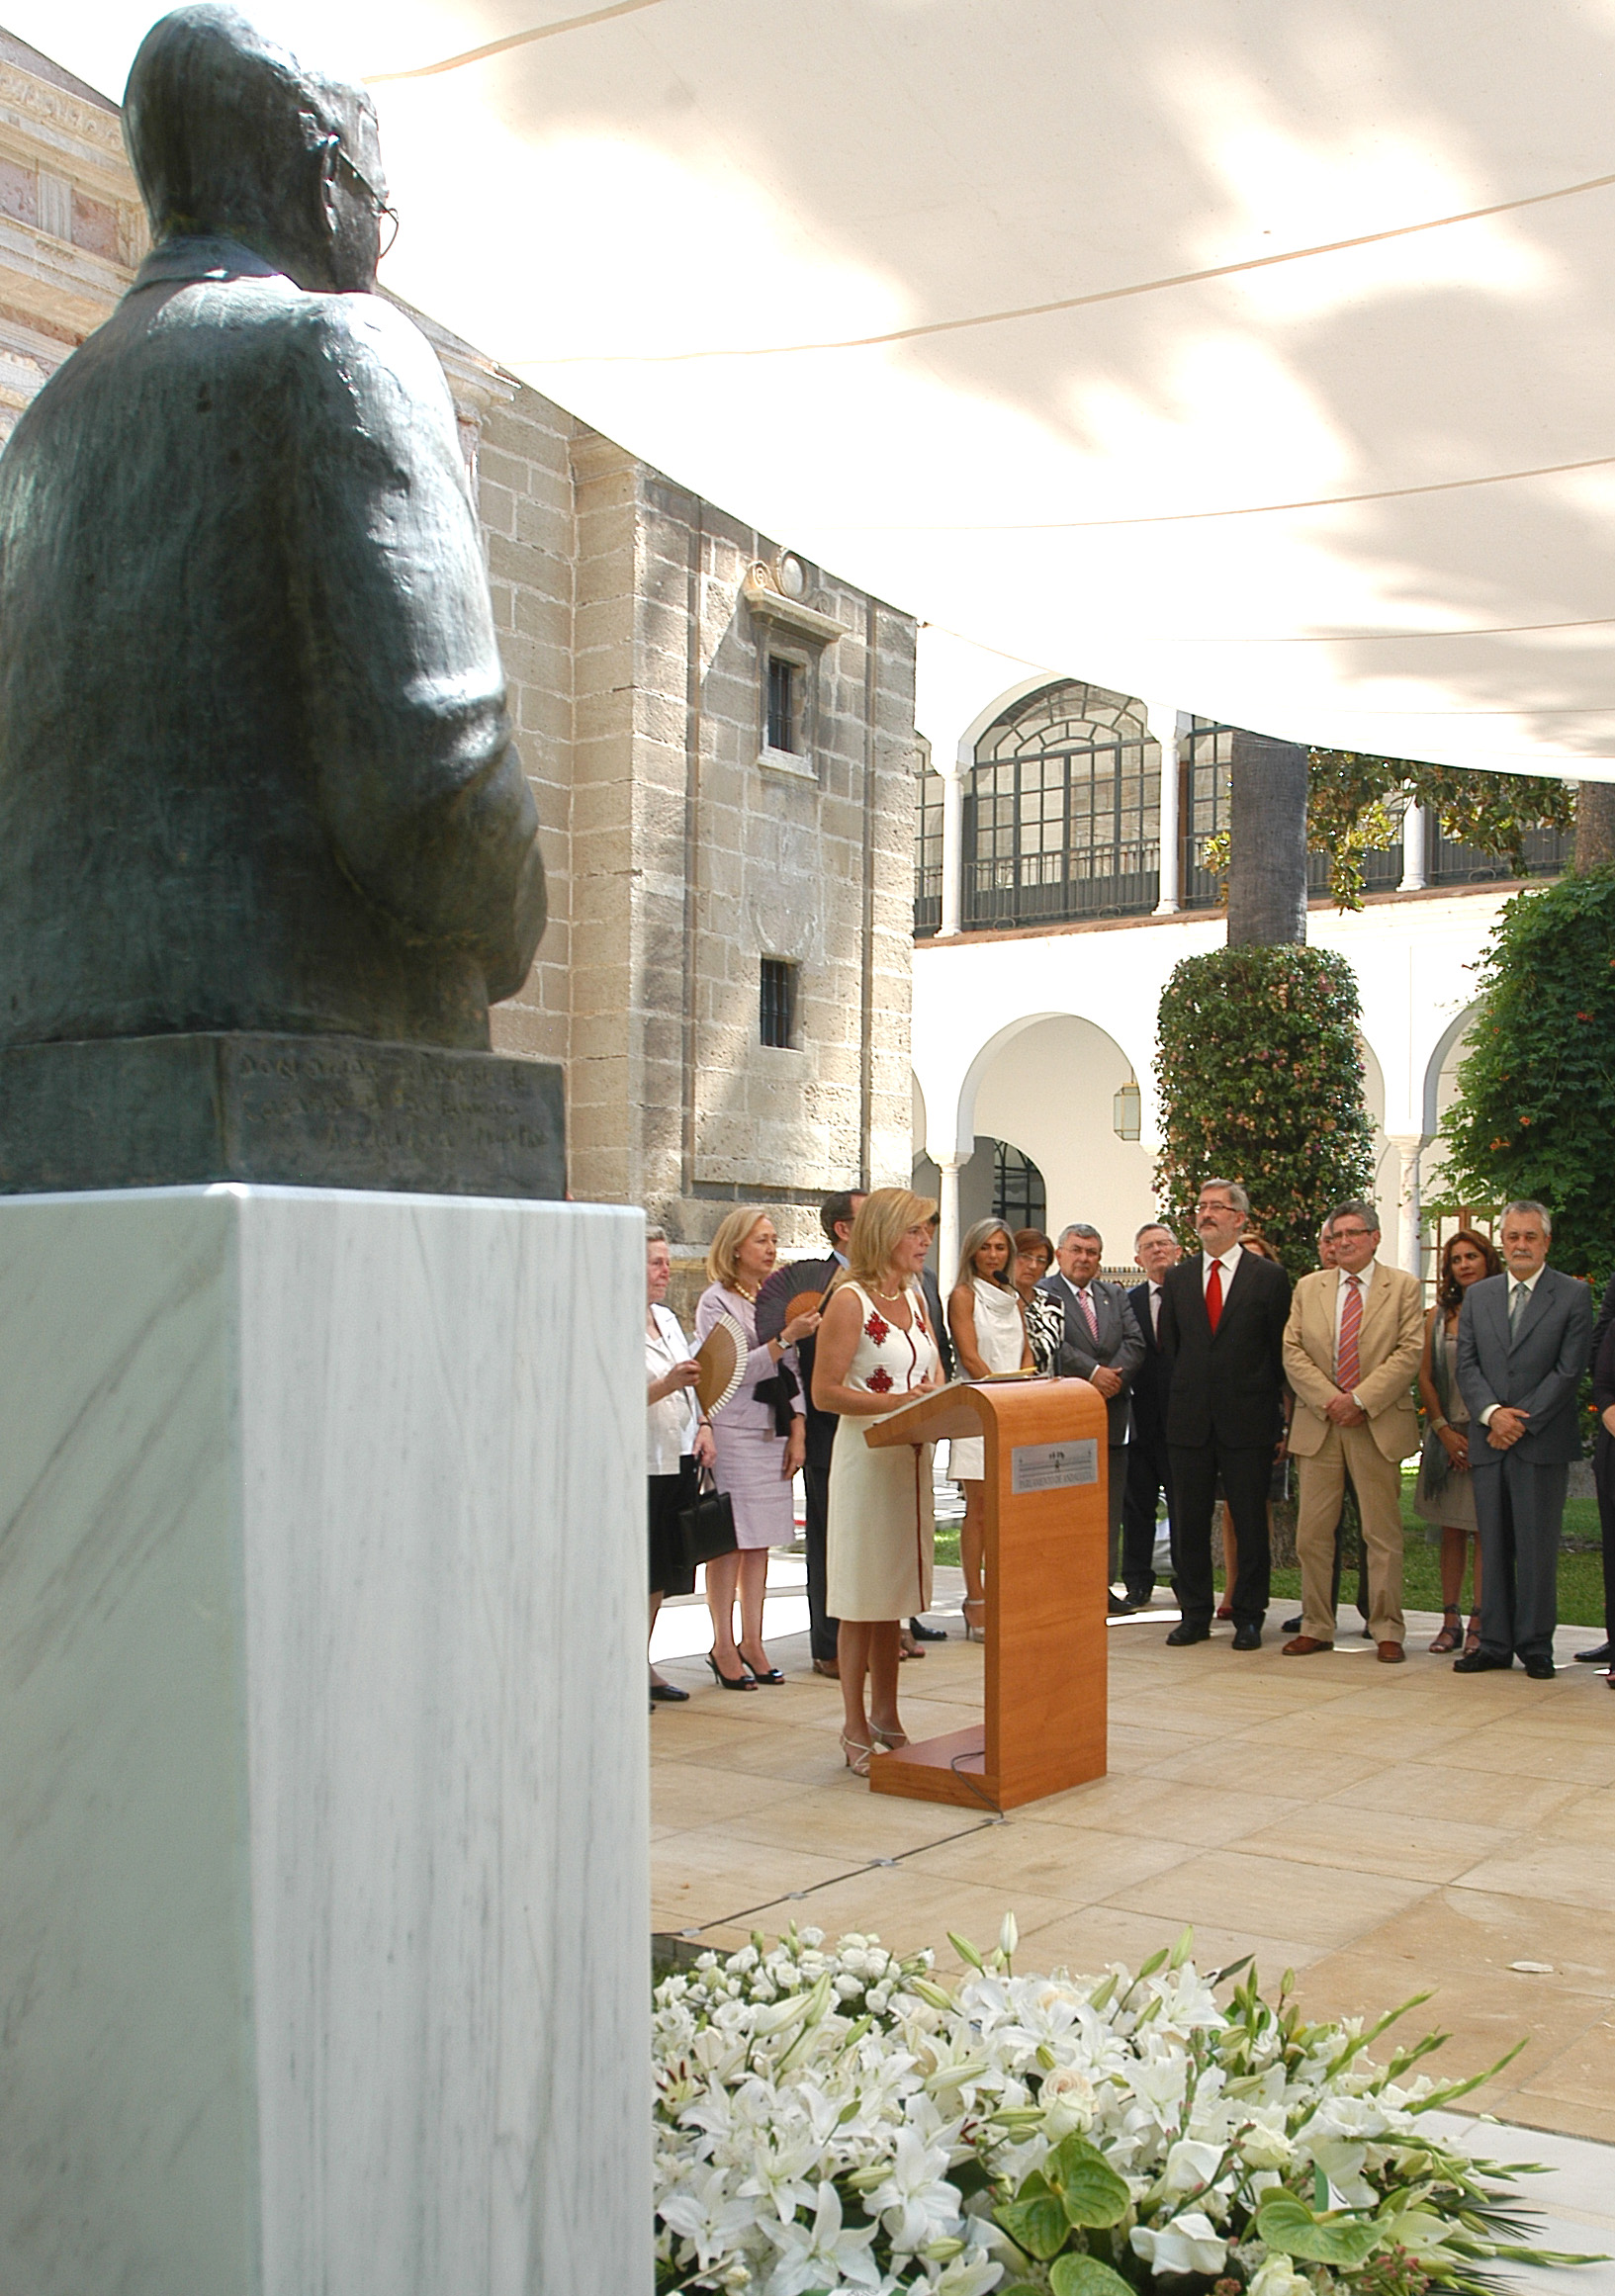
{"x":1214,"y":1369}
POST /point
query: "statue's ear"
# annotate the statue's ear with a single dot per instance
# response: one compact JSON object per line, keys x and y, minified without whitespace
{"x":321,"y":145}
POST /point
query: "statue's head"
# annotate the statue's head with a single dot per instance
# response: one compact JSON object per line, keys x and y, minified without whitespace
{"x":231,"y":136}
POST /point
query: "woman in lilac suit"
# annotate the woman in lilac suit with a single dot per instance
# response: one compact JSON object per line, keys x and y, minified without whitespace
{"x":760,"y":1435}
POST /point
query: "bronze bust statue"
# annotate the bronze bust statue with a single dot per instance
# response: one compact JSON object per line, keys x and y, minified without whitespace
{"x":265,"y":840}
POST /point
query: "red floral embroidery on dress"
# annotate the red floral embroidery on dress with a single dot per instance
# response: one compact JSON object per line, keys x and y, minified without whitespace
{"x":876,"y":1330}
{"x":880,"y":1381}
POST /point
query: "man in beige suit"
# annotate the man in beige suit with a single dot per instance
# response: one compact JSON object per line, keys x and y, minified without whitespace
{"x":1351,"y":1349}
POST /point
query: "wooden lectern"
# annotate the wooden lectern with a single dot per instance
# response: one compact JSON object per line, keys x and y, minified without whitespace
{"x":1048,"y":1579}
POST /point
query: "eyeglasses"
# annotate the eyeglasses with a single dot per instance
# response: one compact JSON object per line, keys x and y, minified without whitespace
{"x":381,"y":209}
{"x":1339,"y":1235}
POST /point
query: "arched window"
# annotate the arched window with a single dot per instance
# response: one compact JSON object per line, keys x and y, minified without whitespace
{"x":1062,"y":811}
{"x":1020,"y":1198}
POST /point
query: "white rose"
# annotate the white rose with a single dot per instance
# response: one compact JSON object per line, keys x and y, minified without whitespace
{"x":1191,"y":2165}
{"x":1278,"y":2276}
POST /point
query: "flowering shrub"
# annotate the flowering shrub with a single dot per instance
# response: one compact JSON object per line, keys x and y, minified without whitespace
{"x":835,"y":2118}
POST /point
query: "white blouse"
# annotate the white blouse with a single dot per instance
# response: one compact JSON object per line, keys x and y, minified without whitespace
{"x":672,"y":1423}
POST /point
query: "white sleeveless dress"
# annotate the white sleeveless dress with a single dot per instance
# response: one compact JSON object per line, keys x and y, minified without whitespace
{"x":882,"y":1524}
{"x":1001,"y":1343}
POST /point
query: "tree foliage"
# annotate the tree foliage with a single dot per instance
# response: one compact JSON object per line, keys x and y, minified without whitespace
{"x":1355,"y":805}
{"x":1535,"y":1110}
{"x":1260,"y":1075}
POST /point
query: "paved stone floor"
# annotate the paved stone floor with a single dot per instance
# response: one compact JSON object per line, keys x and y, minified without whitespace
{"x":1380,"y":1831}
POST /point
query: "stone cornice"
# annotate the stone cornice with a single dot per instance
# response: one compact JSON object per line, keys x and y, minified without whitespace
{"x":770,"y":603}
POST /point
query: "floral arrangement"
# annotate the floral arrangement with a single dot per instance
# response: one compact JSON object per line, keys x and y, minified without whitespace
{"x":834,"y":2118}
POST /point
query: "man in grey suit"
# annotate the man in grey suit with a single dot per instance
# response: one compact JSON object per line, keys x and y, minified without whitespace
{"x":1522,"y":1347}
{"x":1103,"y":1345}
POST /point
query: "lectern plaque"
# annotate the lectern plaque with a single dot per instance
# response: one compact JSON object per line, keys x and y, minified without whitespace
{"x":1052,"y":1466}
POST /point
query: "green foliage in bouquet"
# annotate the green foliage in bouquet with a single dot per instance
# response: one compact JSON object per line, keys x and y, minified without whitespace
{"x":1260,"y":1076}
{"x":1535,"y":1110}
{"x":832,"y":2119}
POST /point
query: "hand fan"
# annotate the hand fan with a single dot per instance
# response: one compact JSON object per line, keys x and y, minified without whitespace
{"x":804,"y":1303}
{"x":722,"y":1358}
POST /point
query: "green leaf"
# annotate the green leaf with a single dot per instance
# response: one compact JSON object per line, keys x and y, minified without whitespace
{"x":1093,"y":2193}
{"x":1086,"y":2276}
{"x":1039,"y":2225}
{"x":1289,"y":2225}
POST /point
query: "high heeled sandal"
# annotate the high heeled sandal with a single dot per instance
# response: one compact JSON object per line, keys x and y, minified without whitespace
{"x":769,"y":1674}
{"x":727,"y":1682}
{"x":1451,"y":1637}
{"x":887,"y":1741}
{"x":974,"y":1628}
{"x":1472,"y":1637}
{"x":851,"y":1746}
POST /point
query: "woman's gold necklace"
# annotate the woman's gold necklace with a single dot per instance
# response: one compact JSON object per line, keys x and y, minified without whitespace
{"x":899,"y":1293}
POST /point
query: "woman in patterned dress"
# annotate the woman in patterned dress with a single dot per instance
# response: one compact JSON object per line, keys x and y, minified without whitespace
{"x":874,"y":1350}
{"x":755,"y":1459}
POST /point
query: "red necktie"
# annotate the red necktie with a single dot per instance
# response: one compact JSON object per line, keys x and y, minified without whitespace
{"x":1348,"y":1361}
{"x":1214,"y":1296}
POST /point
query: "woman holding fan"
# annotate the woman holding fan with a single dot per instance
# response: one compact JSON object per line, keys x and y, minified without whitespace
{"x":759,"y":1441}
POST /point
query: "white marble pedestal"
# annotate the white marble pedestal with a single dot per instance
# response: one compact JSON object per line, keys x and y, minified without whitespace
{"x":323,"y":1909}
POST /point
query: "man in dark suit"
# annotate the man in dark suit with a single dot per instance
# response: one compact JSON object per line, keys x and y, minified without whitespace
{"x":836,"y":1216}
{"x":1149,"y":1472}
{"x":1103,"y":1345}
{"x":1522,"y":1347}
{"x":1222,"y":1321}
{"x":1603,"y":1476}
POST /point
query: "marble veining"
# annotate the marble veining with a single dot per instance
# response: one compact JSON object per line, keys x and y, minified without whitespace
{"x":322,"y":1755}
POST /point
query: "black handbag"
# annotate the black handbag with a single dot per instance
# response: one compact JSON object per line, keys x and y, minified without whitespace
{"x":706,"y":1527}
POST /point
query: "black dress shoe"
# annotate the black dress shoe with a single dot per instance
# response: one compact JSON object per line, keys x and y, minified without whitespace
{"x":1184,"y":1633}
{"x":668,"y":1694}
{"x":1140,"y":1597}
{"x":1118,"y":1605}
{"x":1601,"y":1656}
{"x":1247,"y":1636}
{"x":1539,"y":1670}
{"x":1292,"y":1625}
{"x":924,"y":1633}
{"x":1481,"y":1662}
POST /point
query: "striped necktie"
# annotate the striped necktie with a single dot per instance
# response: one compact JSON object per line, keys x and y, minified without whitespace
{"x":1517,"y":1297}
{"x":1348,"y":1366}
{"x":1085,"y":1300}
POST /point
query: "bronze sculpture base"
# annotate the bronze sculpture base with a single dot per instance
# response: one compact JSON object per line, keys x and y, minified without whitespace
{"x":298,"y":1112}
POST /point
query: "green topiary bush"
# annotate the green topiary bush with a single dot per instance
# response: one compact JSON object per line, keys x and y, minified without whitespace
{"x":1261,"y":1081}
{"x":1535,"y":1112}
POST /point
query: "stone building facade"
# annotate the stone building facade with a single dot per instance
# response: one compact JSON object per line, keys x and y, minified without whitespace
{"x":720,"y":739}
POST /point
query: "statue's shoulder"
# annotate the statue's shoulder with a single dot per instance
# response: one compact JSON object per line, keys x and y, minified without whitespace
{"x":364,"y":339}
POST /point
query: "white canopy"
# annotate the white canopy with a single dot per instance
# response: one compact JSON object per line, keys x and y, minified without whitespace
{"x":909,"y":283}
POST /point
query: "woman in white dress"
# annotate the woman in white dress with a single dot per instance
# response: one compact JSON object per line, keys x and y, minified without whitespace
{"x":874,"y":1350}
{"x":989,"y":1328}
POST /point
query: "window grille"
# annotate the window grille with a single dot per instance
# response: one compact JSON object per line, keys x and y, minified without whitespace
{"x":1062,"y":811}
{"x":1020,"y":1198}
{"x":784,"y":711}
{"x":778,"y":1002}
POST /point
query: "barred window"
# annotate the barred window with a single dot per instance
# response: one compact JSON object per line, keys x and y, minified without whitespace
{"x":1062,"y":811}
{"x":778,"y":1002}
{"x":929,"y":794}
{"x":1020,"y":1198}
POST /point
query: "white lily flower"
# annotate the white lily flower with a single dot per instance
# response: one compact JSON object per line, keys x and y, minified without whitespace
{"x":1188,"y":2244}
{"x":822,"y":2254}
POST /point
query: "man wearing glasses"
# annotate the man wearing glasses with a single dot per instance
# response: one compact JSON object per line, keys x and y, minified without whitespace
{"x":1351,"y":1349}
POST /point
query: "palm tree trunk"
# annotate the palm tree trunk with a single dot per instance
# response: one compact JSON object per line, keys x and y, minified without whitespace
{"x":1594,"y":826}
{"x":1267,"y":843}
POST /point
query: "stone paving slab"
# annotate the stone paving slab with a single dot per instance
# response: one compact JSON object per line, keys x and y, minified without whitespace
{"x":1382,"y":1833}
